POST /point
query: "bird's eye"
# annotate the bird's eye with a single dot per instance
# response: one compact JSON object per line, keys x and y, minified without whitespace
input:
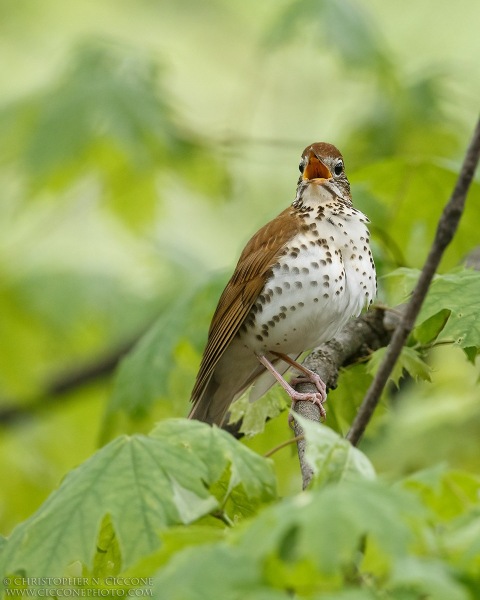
{"x":338,"y":168}
{"x":301,"y":166}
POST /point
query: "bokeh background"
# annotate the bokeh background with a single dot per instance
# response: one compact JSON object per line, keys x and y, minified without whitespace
{"x":142,"y":143}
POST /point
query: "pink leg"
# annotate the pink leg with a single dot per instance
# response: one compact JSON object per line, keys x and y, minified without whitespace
{"x":310,"y":375}
{"x":317,"y":398}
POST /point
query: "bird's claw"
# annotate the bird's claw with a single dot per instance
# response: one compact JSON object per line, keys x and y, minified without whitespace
{"x":312,"y":377}
{"x":316,"y":398}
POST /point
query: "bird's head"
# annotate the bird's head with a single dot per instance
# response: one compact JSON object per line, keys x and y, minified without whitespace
{"x":322,"y":164}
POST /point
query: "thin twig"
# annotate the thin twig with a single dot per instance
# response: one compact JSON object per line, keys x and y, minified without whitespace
{"x":293,"y":440}
{"x":446,"y":229}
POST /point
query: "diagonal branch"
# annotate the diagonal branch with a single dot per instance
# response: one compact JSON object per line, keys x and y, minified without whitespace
{"x":446,"y":229}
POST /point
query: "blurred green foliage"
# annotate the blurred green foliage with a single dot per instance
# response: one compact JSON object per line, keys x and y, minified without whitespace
{"x":140,"y":145}
{"x":107,"y":117}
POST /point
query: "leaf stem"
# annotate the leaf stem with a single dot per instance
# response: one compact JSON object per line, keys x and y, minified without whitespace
{"x":222,"y":516}
{"x":293,"y":440}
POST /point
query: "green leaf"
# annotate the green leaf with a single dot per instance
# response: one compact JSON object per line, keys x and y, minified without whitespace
{"x":459,"y":293}
{"x":110,"y":98}
{"x":326,"y":526}
{"x":428,"y":578}
{"x":471,"y":353}
{"x":350,"y":29}
{"x":174,"y":540}
{"x":254,"y":415}
{"x":463,"y":541}
{"x":332,"y":457}
{"x":344,"y":27}
{"x":398,"y":184}
{"x":215,"y":571}
{"x":446,"y":314}
{"x":344,"y":401}
{"x":400,"y":284}
{"x":448,"y":494}
{"x":301,"y":544}
{"x":409,"y":361}
{"x":144,"y":484}
{"x":405,"y":118}
{"x":143,"y":376}
{"x":449,"y":312}
{"x":352,"y":594}
{"x":107,"y":560}
{"x":428,"y":331}
{"x":110,"y":117}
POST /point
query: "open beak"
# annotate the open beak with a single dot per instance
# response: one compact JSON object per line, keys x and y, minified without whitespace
{"x":315,"y":168}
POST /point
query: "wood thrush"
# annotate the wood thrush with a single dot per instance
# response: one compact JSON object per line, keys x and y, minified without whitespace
{"x":298,"y":281}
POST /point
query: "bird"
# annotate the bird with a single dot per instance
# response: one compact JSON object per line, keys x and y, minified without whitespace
{"x":298,"y":281}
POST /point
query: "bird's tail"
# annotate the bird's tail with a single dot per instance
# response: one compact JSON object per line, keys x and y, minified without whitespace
{"x":211,"y":406}
{"x":217,"y":396}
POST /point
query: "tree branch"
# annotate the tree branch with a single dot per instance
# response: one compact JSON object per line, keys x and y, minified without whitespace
{"x":357,"y":340}
{"x":446,"y":229}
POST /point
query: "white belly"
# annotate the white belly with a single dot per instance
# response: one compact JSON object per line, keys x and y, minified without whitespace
{"x":307,"y":301}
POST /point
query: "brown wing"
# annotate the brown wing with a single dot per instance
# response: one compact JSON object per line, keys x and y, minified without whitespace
{"x":240,"y":293}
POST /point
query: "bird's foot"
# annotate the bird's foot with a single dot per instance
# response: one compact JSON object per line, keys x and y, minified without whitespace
{"x":305,"y":374}
{"x":317,"y":398}
{"x":312,"y":377}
